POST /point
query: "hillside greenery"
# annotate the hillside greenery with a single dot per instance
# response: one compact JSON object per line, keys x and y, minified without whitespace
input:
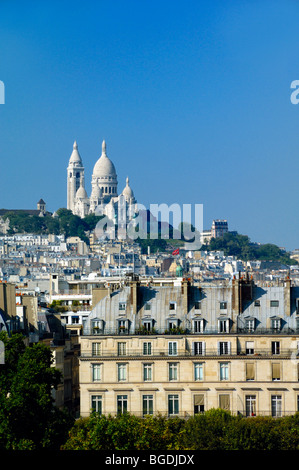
{"x":234,"y":244}
{"x":65,"y":223}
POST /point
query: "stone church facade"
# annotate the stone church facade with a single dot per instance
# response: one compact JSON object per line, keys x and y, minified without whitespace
{"x":104,"y":198}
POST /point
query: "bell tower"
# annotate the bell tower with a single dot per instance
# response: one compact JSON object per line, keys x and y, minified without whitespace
{"x":75,"y":174}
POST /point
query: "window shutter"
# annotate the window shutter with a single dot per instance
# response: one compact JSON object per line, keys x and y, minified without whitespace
{"x":224,"y":402}
{"x":250,"y":371}
{"x":198,"y":400}
{"x":276,"y":371}
{"x":204,"y":348}
{"x":228,"y":347}
{"x":193,"y":349}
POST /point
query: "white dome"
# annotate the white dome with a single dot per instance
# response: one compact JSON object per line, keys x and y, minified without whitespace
{"x":81,"y":193}
{"x":75,"y":157}
{"x":127,"y":192}
{"x":104,"y":166}
{"x":96,"y":192}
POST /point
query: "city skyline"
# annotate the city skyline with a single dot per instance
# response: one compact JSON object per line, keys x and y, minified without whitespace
{"x":192,"y":100}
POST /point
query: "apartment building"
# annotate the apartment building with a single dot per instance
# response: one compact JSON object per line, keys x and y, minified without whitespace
{"x":178,"y":348}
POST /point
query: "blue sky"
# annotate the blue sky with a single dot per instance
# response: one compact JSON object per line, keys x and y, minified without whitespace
{"x":192,"y":98}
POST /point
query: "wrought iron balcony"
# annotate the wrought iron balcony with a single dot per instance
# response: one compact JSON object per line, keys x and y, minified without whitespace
{"x":212,"y":352}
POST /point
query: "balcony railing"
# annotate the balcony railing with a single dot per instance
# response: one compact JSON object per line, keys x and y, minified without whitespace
{"x":186,"y":331}
{"x":212,"y":352}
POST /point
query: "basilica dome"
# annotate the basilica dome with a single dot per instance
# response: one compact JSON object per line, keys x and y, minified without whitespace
{"x":104,"y":167}
{"x":81,"y":193}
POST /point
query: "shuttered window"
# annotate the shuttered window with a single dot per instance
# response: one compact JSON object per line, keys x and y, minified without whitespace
{"x":275,"y":371}
{"x":224,"y":402}
{"x":249,"y":371}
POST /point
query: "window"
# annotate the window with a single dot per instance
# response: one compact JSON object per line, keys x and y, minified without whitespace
{"x":147,"y":405}
{"x":197,"y":305}
{"x":275,"y":346}
{"x":250,"y":325}
{"x":123,"y":326}
{"x":173,"y":405}
{"x":257,"y":303}
{"x":172,"y":348}
{"x":97,"y":326}
{"x":147,"y":325}
{"x":224,"y":402}
{"x":198,"y":348}
{"x":121,"y":372}
{"x":250,"y":404}
{"x":224,"y":371}
{"x":147,"y":306}
{"x":274,"y":303}
{"x":223,"y":305}
{"x":96,"y":349}
{"x":172,"y":305}
{"x":223,"y":326}
{"x":147,"y":372}
{"x":199,"y":404}
{"x":276,"y":406}
{"x":96,"y":403}
{"x":275,"y":323}
{"x":96,"y":372}
{"x":198,"y":371}
{"x":173,"y":371}
{"x":172,"y":324}
{"x":224,"y":347}
{"x":249,"y":347}
{"x":121,"y":349}
{"x":122,"y":306}
{"x":147,"y":349}
{"x":275,"y":371}
{"x":250,"y":371}
{"x":198,"y":326}
{"x":122,"y":404}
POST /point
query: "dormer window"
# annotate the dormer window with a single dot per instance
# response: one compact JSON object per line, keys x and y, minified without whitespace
{"x":223,"y":325}
{"x":123,"y":326}
{"x":250,"y":324}
{"x":97,"y":326}
{"x":275,"y":323}
{"x":198,"y":326}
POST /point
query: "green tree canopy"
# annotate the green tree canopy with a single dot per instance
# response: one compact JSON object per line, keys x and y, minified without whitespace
{"x":28,"y":417}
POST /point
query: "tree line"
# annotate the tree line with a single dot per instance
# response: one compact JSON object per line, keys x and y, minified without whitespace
{"x":234,"y":244}
{"x":66,"y":223}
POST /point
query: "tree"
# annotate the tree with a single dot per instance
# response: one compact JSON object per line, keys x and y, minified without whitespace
{"x":28,"y":416}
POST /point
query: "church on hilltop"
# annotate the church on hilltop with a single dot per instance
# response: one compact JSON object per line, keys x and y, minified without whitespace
{"x":104,"y":198}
